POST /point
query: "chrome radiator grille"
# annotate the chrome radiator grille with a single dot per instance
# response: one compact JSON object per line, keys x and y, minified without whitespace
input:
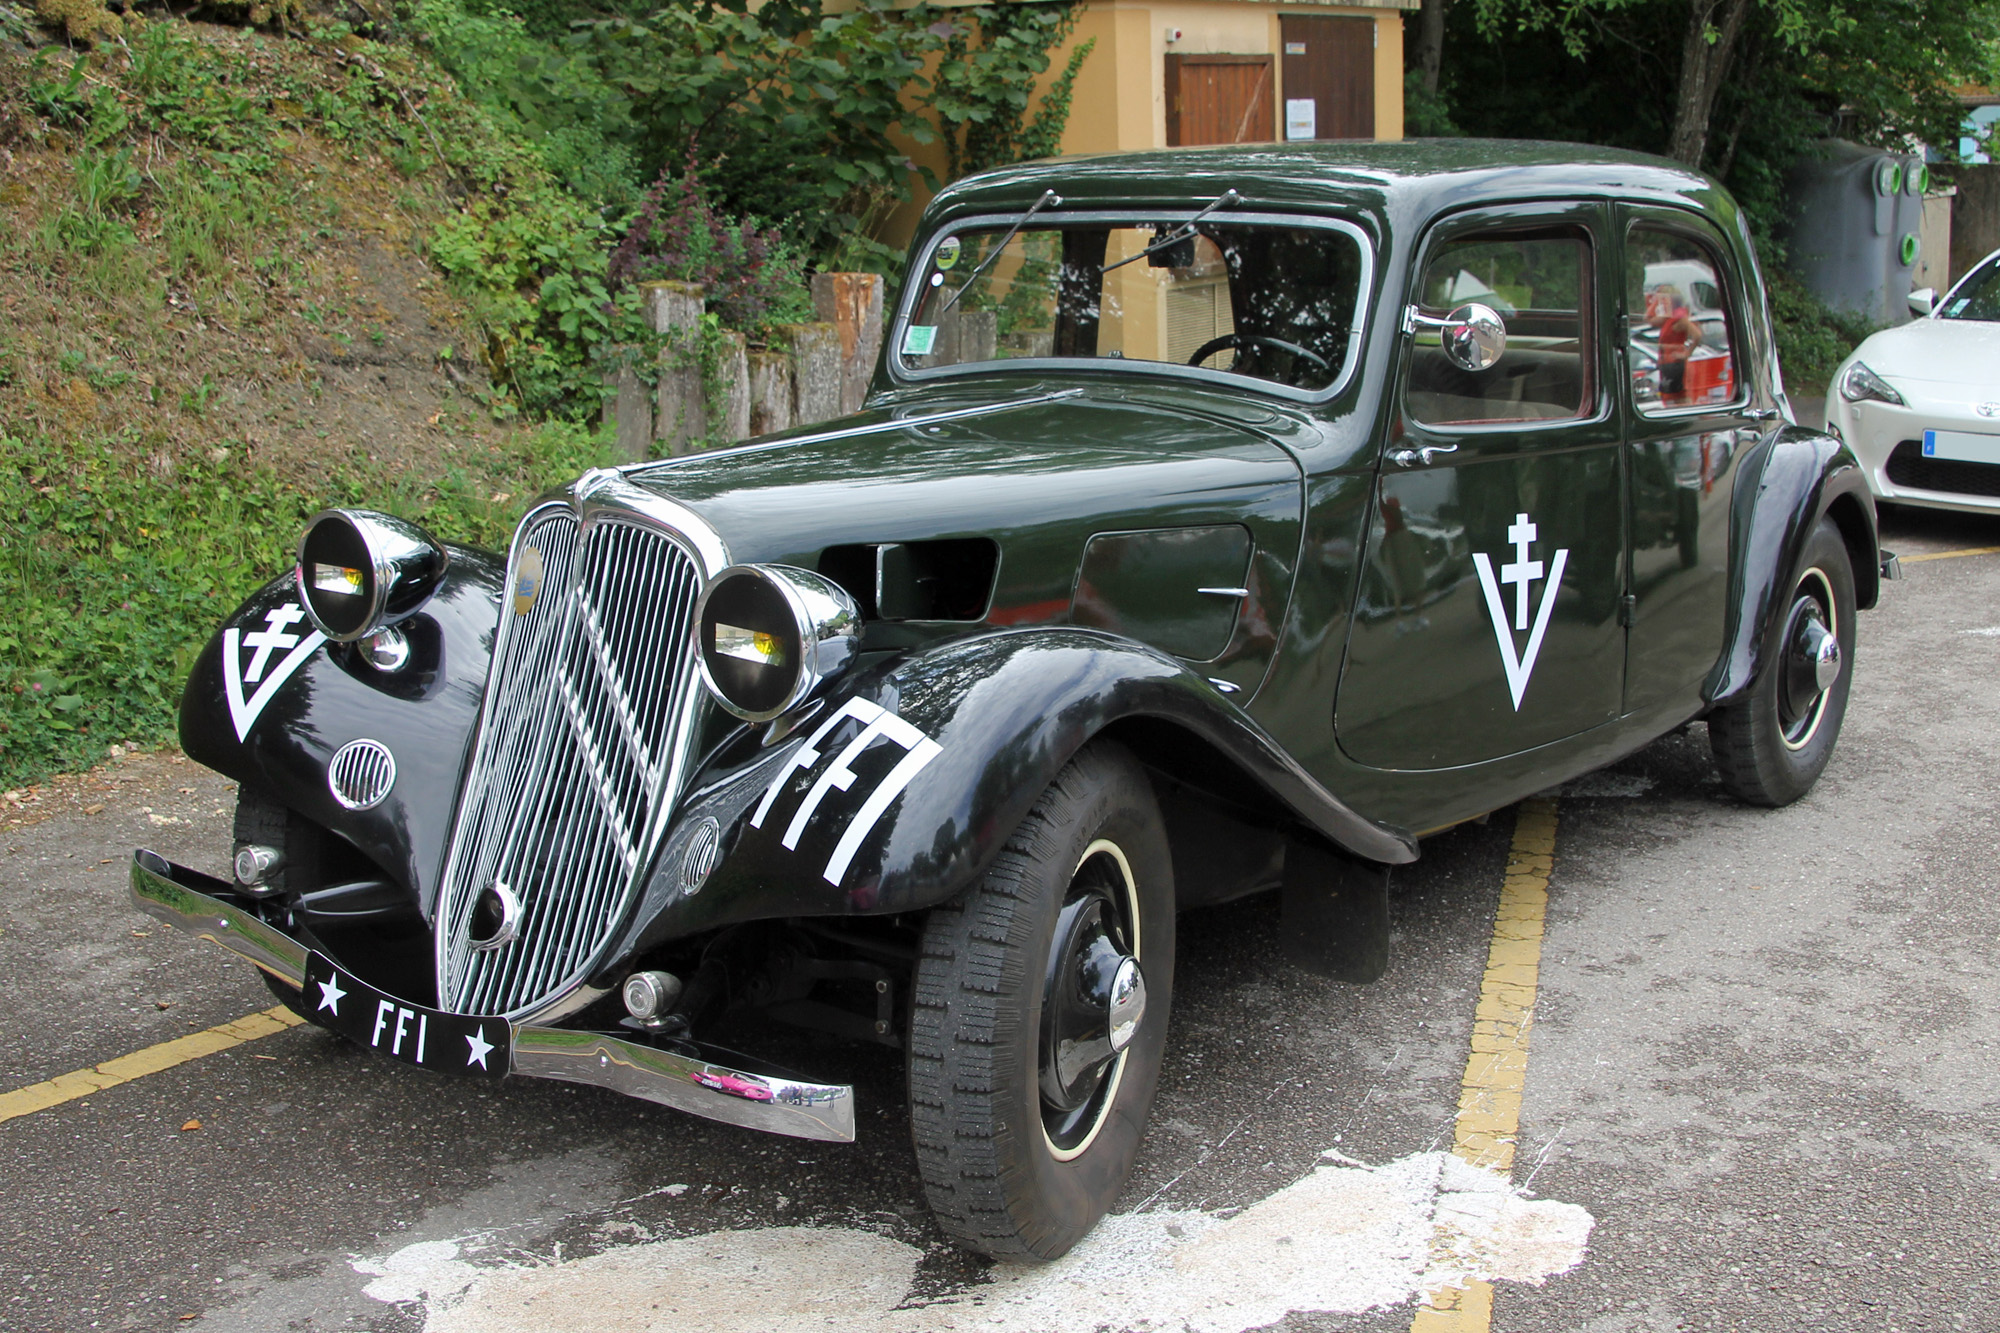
{"x":590,"y":703}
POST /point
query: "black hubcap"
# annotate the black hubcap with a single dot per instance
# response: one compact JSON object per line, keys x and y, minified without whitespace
{"x":1092,"y":997}
{"x":1811,"y":663}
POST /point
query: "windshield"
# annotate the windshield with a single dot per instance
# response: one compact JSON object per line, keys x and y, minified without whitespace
{"x":1266,"y":300}
{"x":1978,"y":297}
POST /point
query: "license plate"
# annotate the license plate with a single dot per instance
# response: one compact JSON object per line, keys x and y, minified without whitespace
{"x":1962,"y":446}
{"x":448,"y":1043}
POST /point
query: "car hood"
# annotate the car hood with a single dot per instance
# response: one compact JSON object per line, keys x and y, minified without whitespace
{"x":1938,"y":351}
{"x":1038,"y":472}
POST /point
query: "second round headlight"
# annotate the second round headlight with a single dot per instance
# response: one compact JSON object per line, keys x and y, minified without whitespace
{"x":768,"y":635}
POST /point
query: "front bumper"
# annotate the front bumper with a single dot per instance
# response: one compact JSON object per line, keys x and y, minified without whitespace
{"x":213,"y":910}
{"x":1875,"y":430}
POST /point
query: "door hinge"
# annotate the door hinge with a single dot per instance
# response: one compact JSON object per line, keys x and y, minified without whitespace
{"x":1628,"y":610}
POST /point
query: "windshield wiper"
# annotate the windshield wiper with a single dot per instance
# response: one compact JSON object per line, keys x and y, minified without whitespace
{"x":1178,"y":234}
{"x":1049,"y":199}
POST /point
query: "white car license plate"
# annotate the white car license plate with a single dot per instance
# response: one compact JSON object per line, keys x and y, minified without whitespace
{"x":1962,"y":446}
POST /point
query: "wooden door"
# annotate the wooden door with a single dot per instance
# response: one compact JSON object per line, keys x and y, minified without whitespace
{"x":1220,"y":99}
{"x":1331,"y":63}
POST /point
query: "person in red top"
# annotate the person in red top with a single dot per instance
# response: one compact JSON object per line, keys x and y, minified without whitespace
{"x":1667,"y":311}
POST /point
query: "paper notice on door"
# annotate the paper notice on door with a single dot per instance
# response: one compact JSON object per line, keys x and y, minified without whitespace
{"x":1301,"y":118}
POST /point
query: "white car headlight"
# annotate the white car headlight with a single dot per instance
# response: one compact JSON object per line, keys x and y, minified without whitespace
{"x":1860,"y":384}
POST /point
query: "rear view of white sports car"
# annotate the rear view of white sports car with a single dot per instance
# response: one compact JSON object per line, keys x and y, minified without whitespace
{"x":1920,"y":404}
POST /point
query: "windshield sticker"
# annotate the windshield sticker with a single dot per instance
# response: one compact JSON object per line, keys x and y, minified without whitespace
{"x":947,"y":253}
{"x":918,"y":339}
{"x":1958,"y":305}
{"x":877,"y":724}
{"x":259,"y":670}
{"x":1521,"y":572}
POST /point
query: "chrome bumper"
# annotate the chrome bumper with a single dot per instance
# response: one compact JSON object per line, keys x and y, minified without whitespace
{"x":213,"y":910}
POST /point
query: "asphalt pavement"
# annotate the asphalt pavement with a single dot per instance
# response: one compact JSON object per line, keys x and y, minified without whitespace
{"x":1762,"y":1061}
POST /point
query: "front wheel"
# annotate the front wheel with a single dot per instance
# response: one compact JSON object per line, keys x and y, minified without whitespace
{"x":1772,"y":743}
{"x":1040,"y":1015}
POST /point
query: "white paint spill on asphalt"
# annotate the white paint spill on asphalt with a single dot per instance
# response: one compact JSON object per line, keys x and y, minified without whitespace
{"x":1988,"y":632}
{"x":1348,"y":1237}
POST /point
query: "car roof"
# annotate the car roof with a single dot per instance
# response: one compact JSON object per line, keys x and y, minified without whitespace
{"x":1410,"y":179}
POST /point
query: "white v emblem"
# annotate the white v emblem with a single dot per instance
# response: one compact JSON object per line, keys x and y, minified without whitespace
{"x":1522,"y":572}
{"x":243,"y":712}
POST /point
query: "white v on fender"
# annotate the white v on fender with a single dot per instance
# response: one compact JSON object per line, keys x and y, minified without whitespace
{"x":1521,"y":572}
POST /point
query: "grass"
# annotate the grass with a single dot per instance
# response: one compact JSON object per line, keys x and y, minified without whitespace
{"x":116,"y":570}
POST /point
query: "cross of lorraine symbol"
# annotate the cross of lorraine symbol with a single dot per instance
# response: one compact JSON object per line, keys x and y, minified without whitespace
{"x":1522,"y":572}
{"x":248,"y":686}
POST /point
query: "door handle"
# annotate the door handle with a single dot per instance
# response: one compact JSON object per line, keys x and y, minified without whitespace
{"x":1762,"y":413}
{"x":1426,"y":455}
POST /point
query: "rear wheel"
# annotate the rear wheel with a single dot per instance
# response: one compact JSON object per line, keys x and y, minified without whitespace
{"x":1040,"y":1015}
{"x":1772,"y":744}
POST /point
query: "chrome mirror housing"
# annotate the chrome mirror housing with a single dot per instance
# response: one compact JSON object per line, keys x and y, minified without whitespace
{"x":1473,"y":337}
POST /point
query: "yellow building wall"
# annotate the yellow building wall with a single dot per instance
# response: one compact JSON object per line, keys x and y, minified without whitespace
{"x":1120,"y":99}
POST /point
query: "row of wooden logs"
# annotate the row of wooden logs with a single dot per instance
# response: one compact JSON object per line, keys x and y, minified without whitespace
{"x":805,"y":372}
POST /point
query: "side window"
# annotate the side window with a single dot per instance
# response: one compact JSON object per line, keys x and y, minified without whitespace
{"x":1677,"y":323}
{"x":1539,"y":283}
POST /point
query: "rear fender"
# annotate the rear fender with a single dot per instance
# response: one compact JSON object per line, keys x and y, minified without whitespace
{"x":274,"y":719}
{"x":1795,"y":479}
{"x":899,"y":790}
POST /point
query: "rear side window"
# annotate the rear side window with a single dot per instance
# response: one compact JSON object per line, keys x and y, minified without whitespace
{"x":1678,"y":324}
{"x":1539,"y":283}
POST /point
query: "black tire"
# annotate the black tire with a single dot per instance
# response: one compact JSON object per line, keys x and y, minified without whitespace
{"x":1772,"y":743}
{"x":1007,"y":1170}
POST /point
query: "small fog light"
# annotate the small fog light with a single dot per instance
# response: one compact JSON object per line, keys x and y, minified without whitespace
{"x":650,"y":996}
{"x":255,"y":864}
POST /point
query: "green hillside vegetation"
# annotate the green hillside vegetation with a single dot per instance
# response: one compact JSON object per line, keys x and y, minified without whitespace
{"x":257,"y":267}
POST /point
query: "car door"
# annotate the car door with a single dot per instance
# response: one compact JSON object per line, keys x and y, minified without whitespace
{"x":1487,"y":619}
{"x":1689,"y":404}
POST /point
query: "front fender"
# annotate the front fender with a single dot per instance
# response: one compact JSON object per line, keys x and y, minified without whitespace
{"x":901,"y":787}
{"x":1797,"y":478}
{"x":270,"y":702}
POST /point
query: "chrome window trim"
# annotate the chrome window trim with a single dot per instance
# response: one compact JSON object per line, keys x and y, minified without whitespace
{"x":1056,"y":220}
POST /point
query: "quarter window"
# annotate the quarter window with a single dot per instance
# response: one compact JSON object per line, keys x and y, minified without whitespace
{"x":1540,"y":285}
{"x":1677,"y":323}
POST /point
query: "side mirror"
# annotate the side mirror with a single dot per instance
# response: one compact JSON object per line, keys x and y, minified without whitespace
{"x":1923,"y":300}
{"x":1474,"y":336}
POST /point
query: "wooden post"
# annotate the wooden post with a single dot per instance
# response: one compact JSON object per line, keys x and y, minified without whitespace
{"x":852,"y":303}
{"x":770,"y":392}
{"x":680,"y":418}
{"x":814,"y":350}
{"x":735,"y":423}
{"x":629,"y":410}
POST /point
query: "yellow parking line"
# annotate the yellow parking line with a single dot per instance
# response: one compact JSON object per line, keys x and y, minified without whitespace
{"x":1948,"y":555}
{"x":81,"y":1083}
{"x":1489,"y":1098}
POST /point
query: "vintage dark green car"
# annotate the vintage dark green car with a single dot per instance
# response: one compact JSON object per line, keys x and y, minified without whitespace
{"x":1220,"y":521}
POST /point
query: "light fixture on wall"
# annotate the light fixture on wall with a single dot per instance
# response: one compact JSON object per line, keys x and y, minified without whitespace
{"x":1173,"y":35}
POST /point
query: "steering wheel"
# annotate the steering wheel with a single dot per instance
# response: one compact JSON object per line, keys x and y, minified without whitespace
{"x":1227,"y":340}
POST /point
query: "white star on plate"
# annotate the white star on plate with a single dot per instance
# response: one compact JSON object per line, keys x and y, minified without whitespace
{"x":330,"y":995}
{"x":480,"y":1046}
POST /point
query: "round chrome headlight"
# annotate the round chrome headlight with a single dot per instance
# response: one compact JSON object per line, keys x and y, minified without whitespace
{"x":359,"y":570}
{"x":768,"y":635}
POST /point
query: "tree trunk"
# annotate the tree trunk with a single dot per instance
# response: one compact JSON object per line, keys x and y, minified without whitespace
{"x":1430,"y":42}
{"x":1703,"y":65}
